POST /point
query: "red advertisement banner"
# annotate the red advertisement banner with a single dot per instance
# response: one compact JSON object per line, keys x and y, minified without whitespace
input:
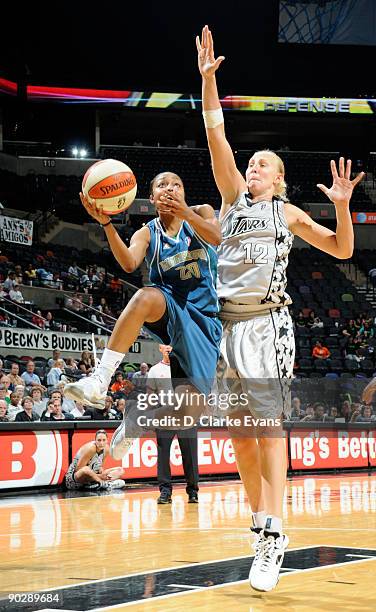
{"x":319,"y":449}
{"x":30,"y":458}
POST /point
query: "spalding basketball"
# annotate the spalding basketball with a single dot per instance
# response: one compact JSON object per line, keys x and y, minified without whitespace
{"x":112,"y":184}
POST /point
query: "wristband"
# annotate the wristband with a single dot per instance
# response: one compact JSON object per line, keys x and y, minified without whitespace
{"x":105,"y":224}
{"x":213,"y":118}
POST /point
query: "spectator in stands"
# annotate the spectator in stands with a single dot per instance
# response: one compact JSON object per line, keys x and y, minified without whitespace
{"x":363,"y":415}
{"x":15,"y":294}
{"x":319,"y":351}
{"x":14,"y":377}
{"x":355,"y":411}
{"x":30,"y":274}
{"x":314,"y":320}
{"x":354,"y":343}
{"x":19,"y":274}
{"x":309,"y":414}
{"x":79,"y":411}
{"x":44,"y":276}
{"x":56,"y":354}
{"x":82,"y":368}
{"x":88,"y":359}
{"x":40,"y":402}
{"x":3,"y":411}
{"x":55,"y":282}
{"x":71,"y":367}
{"x":331,"y":417}
{"x":3,"y":293}
{"x":54,"y":375}
{"x":54,"y":412}
{"x":1,"y":367}
{"x":300,"y":320}
{"x":89,"y":281}
{"x":57,"y":395}
{"x":346,"y":410}
{"x":50,"y":324}
{"x":4,"y":394}
{"x":296,"y":409}
{"x":120,"y":407}
{"x":15,"y":405}
{"x":318,"y":412}
{"x":29,"y":377}
{"x":10,"y":281}
{"x":27,"y":414}
{"x":76,"y":303}
{"x":139,"y":379}
{"x":120,"y":384}
{"x":74,"y":274}
{"x":102,"y":415}
{"x":102,"y":304}
{"x":38,"y":319}
{"x":5,"y":381}
{"x":115,"y":284}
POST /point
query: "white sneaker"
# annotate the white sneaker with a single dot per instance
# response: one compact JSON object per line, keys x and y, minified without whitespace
{"x":113,"y":484}
{"x":90,"y":390}
{"x":123,"y":437}
{"x":257,"y":547}
{"x":264,"y":574}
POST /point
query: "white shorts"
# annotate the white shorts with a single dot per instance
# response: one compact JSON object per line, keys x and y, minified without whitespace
{"x":257,"y":360}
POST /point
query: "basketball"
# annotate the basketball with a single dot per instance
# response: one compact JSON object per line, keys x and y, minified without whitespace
{"x":111,"y":183}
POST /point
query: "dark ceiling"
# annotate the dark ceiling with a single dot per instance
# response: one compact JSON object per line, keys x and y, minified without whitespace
{"x":148,"y":45}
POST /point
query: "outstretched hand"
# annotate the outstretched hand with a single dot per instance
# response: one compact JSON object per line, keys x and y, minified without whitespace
{"x":207,"y":64}
{"x":341,"y":190}
{"x":95,"y":210}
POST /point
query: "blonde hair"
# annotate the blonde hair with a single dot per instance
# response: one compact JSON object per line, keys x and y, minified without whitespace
{"x":280,"y":189}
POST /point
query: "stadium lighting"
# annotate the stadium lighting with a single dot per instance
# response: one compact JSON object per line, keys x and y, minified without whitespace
{"x":75,"y":151}
{"x":83,"y":152}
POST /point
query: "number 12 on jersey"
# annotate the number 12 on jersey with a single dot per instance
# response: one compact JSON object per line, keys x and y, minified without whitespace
{"x":255,"y":253}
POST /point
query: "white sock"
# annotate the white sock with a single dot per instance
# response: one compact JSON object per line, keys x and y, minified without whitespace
{"x":258,"y":518}
{"x":109,"y":363}
{"x":273,"y":523}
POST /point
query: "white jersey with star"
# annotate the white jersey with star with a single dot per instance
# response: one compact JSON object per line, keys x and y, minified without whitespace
{"x":253,"y":258}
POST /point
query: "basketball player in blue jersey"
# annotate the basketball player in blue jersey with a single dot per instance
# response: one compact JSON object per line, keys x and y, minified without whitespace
{"x":257,"y":347}
{"x":180,"y":308}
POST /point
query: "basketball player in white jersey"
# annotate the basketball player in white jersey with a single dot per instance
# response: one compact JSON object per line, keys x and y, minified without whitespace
{"x":257,"y":348}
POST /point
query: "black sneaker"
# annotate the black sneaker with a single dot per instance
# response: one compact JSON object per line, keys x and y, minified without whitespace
{"x":164,"y":498}
{"x":193,"y":498}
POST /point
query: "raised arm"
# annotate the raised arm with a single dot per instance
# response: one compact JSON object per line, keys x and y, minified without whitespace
{"x":128,"y":258}
{"x":340,"y":243}
{"x":227,"y":177}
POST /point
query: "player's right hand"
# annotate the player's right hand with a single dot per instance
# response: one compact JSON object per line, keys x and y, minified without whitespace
{"x":207,"y":64}
{"x":95,"y":210}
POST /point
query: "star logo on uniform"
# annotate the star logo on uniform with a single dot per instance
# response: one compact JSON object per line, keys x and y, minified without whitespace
{"x":281,"y":238}
{"x":283,"y":332}
{"x":284,"y":372}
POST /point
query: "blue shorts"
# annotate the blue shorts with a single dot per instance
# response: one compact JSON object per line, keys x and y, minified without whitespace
{"x":195,"y":339}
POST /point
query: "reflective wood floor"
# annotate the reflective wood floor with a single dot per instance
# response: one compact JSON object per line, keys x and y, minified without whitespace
{"x":121,"y":550}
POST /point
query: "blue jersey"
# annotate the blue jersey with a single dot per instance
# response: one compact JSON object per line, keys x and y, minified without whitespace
{"x":185,"y":266}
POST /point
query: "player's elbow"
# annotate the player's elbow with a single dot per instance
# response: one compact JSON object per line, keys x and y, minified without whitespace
{"x":345,"y":254}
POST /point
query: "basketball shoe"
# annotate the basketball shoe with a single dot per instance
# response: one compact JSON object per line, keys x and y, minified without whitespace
{"x":90,"y":390}
{"x":113,"y":484}
{"x":269,"y":552}
{"x":123,"y":437}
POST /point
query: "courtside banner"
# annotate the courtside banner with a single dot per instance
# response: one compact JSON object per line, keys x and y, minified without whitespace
{"x":31,"y":458}
{"x":16,"y":230}
{"x":364,"y":217}
{"x":215,"y":454}
{"x":372,"y":447}
{"x":320,"y":449}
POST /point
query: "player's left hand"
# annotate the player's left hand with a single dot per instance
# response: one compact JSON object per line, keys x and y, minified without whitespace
{"x":341,"y":190}
{"x":174,"y":204}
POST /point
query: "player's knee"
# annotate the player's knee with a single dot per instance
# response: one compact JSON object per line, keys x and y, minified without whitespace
{"x":145,"y":300}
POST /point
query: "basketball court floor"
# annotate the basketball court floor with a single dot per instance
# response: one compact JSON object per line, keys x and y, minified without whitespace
{"x":122,"y":551}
